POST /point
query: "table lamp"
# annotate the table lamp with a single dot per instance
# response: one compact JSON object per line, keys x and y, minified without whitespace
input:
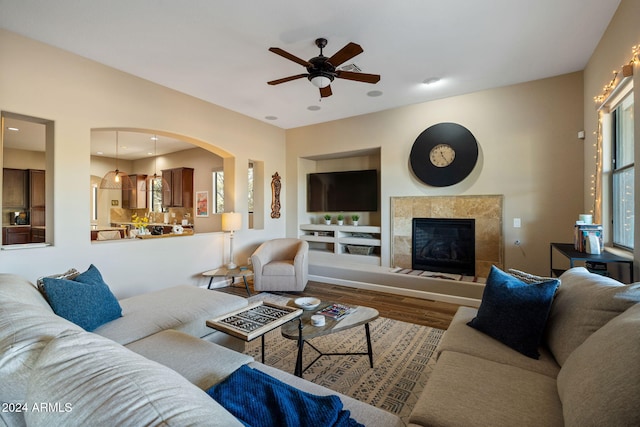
{"x":231,"y":221}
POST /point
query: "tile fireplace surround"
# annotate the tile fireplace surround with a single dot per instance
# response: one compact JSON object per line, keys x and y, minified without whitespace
{"x":486,"y":210}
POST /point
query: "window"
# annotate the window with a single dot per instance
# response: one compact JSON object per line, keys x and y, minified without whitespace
{"x":250,"y":189}
{"x":155,"y":195}
{"x":623,"y":170}
{"x":94,"y":202}
{"x":218,"y":190}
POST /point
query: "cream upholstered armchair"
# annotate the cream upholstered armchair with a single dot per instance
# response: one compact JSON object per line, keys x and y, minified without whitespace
{"x":281,"y":265}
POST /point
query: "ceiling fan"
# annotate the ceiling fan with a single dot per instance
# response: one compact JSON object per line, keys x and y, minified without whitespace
{"x":321,"y":70}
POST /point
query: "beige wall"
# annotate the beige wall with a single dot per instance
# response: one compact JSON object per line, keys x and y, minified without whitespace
{"x":529,"y":152}
{"x":80,"y":95}
{"x":613,"y":51}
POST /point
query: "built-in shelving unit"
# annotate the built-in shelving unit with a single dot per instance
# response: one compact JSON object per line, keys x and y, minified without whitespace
{"x":360,"y":244}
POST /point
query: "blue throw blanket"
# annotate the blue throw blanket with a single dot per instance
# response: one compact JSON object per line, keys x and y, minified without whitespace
{"x":259,"y":400}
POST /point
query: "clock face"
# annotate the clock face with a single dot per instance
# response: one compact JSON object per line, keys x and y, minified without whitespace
{"x":442,"y":155}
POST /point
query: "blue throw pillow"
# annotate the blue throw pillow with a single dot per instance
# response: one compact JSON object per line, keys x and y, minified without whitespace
{"x":514,"y":312}
{"x":87,"y":302}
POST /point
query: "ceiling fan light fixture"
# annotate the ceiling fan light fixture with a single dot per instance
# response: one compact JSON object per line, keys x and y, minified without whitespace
{"x":321,"y":81}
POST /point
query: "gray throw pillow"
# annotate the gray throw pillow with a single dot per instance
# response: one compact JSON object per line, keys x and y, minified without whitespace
{"x":583,"y":304}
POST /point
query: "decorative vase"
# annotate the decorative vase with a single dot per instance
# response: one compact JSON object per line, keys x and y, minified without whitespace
{"x":355,"y":222}
{"x":340,"y":222}
{"x":327,"y":221}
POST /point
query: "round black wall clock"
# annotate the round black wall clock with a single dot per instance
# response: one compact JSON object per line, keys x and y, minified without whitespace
{"x":444,"y":154}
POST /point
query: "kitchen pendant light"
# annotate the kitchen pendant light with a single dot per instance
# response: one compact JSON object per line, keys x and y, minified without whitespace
{"x":116,"y":179}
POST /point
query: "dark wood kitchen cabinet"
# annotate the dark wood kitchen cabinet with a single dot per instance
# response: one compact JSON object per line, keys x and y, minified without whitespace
{"x":14,"y":188}
{"x":16,"y":235}
{"x":136,"y":197}
{"x":37,"y":197}
{"x":180,"y":193}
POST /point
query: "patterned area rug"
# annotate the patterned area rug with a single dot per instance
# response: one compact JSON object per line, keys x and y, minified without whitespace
{"x":402,"y":358}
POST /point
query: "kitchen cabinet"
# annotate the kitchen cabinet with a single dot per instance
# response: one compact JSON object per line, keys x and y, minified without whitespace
{"x":37,"y":197}
{"x":180,"y":193}
{"x":16,"y":235}
{"x":14,"y":188}
{"x":36,"y":188}
{"x":37,"y":235}
{"x":136,"y":197}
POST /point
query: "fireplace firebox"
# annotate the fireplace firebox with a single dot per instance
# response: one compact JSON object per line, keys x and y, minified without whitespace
{"x":445,"y":245}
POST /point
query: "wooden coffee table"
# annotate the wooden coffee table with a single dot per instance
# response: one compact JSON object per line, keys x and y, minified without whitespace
{"x":361,"y":316}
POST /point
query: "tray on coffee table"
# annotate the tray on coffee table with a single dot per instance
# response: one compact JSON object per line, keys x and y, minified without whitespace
{"x":255,"y":320}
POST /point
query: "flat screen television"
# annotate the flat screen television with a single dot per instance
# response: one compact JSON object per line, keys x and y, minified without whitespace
{"x":355,"y":191}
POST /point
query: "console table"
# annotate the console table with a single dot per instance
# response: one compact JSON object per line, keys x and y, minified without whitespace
{"x":568,"y":251}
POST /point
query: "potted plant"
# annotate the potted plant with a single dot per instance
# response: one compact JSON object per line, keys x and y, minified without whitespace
{"x":327,"y":219}
{"x":354,"y":219}
{"x":340,"y":219}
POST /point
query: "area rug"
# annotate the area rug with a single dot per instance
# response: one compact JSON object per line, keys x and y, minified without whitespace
{"x":402,"y":356}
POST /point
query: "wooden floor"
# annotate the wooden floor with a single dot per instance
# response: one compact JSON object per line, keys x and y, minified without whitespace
{"x":413,"y":310}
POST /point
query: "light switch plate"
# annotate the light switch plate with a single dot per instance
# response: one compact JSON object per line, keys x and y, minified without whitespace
{"x":517,"y":223}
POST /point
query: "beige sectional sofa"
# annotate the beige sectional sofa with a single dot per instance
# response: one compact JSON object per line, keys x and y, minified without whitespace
{"x":148,"y":367}
{"x":588,"y":373}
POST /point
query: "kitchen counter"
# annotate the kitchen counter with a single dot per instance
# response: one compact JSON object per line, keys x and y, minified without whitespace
{"x":150,"y":224}
{"x":186,"y":232}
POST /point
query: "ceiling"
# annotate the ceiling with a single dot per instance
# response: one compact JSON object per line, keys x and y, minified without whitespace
{"x":218,"y":50}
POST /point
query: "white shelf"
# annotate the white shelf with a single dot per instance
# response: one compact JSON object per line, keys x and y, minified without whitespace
{"x":332,"y":240}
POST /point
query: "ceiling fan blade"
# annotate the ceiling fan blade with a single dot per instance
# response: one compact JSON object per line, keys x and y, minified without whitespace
{"x":289,"y":56}
{"x":287,"y":79}
{"x":359,"y":77}
{"x":325,"y":91}
{"x":345,"y":54}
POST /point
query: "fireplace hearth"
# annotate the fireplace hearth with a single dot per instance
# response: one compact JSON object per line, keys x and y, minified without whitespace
{"x":445,"y":245}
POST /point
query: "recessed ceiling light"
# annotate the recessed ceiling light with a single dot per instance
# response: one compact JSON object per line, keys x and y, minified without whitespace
{"x":374,"y":93}
{"x":313,"y":107}
{"x":154,"y":138}
{"x":431,"y":80}
{"x":271,"y":118}
{"x":100,"y":153}
{"x":149,"y":153}
{"x":13,"y":129}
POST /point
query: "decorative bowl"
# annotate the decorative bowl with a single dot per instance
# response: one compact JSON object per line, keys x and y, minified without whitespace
{"x":307,"y":303}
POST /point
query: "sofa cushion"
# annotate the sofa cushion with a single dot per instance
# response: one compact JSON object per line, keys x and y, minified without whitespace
{"x":184,"y":308}
{"x":279,"y":268}
{"x":599,"y":383}
{"x":465,"y":390}
{"x":17,"y":288}
{"x":464,"y":339}
{"x":202,"y":362}
{"x":98,"y":382}
{"x":514,"y":312}
{"x":583,"y":304}
{"x":24,"y":331}
{"x":88,"y":304}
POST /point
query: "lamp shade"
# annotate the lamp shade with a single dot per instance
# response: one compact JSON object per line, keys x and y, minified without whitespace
{"x":231,"y":221}
{"x":116,"y":180}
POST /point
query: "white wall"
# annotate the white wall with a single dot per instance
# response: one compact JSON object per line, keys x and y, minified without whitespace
{"x":80,"y":95}
{"x":529,"y":152}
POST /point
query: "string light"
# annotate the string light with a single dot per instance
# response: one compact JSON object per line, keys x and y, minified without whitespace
{"x":596,"y":184}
